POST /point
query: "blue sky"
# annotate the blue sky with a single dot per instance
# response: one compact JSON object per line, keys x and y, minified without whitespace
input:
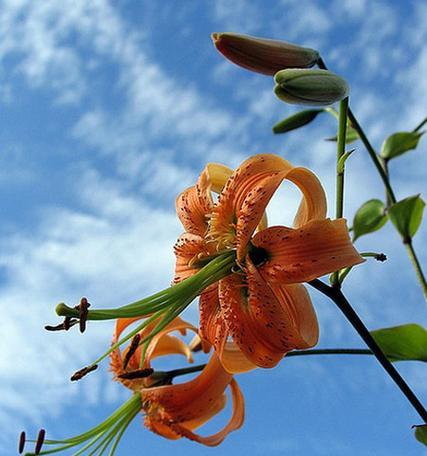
{"x":108,"y":110}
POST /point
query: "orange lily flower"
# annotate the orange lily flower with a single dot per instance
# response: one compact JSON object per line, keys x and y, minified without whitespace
{"x":175,"y":411}
{"x":262,"y":307}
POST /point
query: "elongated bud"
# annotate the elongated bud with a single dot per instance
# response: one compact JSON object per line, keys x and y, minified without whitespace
{"x":310,"y":87}
{"x":262,"y":55}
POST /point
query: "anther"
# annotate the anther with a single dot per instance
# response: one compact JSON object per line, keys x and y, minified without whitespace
{"x":132,"y":349}
{"x":40,"y":440}
{"x":21,"y":442}
{"x":61,"y":326}
{"x":83,"y":310}
{"x":140,"y":373}
{"x":380,"y":257}
{"x":82,"y":372}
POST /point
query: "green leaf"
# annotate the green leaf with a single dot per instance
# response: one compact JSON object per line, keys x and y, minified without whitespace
{"x":296,"y":121}
{"x":370,"y":217}
{"x":350,"y":136}
{"x":407,"y":215}
{"x":403,"y":343}
{"x":399,"y":143}
{"x":421,"y":433}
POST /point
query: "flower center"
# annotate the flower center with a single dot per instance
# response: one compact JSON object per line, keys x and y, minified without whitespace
{"x":258,"y":255}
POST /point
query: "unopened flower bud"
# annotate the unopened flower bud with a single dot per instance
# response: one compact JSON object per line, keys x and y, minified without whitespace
{"x":263,"y":55}
{"x":310,"y":87}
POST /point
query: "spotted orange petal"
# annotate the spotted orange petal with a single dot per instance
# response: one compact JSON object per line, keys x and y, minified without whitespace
{"x":194,"y":204}
{"x":266,"y":323}
{"x":242,"y":182}
{"x":247,"y":193}
{"x":300,"y":255}
{"x":188,"y":249}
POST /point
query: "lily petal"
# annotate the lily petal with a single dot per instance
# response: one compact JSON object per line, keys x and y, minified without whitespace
{"x":235,"y":422}
{"x":313,"y":204}
{"x":300,"y":255}
{"x":194,"y":204}
{"x":263,"y":327}
{"x":241,"y":183}
{"x":188,"y":249}
{"x":187,"y":401}
{"x":212,"y":324}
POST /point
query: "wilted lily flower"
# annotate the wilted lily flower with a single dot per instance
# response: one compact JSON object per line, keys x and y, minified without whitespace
{"x":310,"y":87}
{"x":263,"y":55}
{"x":262,"y":305}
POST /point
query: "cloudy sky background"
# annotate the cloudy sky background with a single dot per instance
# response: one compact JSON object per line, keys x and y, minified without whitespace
{"x":108,"y":110}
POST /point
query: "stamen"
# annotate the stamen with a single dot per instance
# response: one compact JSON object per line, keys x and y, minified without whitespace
{"x":132,"y":349}
{"x":40,"y":441}
{"x":82,"y":372}
{"x":21,"y":442}
{"x":140,"y":373}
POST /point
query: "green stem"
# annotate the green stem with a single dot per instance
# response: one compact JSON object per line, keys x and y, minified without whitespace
{"x":342,"y":128}
{"x":339,"y":208}
{"x":417,"y":266}
{"x":420,"y":125}
{"x":331,"y":351}
{"x":336,"y":295}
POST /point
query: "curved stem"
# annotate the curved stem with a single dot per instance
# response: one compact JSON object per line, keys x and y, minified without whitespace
{"x":336,"y":295}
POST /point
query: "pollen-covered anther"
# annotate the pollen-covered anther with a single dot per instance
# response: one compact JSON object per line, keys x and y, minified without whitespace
{"x":140,"y":373}
{"x":39,"y":441}
{"x":132,"y":349}
{"x":83,"y":312}
{"x":82,"y":372}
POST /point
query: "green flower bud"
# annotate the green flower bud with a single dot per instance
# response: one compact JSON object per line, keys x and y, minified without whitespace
{"x":262,"y":55}
{"x":310,"y":87}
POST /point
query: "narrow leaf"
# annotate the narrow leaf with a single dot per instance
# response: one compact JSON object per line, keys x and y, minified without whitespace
{"x":407,"y":215}
{"x":350,"y":136}
{"x":421,"y":433}
{"x":399,"y":143}
{"x":403,"y":343}
{"x":296,"y":120}
{"x":370,"y":217}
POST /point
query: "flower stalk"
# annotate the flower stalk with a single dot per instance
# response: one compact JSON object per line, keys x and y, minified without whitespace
{"x":336,"y":295}
{"x":339,"y":209}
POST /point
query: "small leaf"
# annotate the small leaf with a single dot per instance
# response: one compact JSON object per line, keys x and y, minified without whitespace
{"x":399,"y":143}
{"x":421,"y":433}
{"x":370,"y":217}
{"x":350,"y":136}
{"x":403,"y":343}
{"x":343,"y":159}
{"x":296,"y":121}
{"x":406,"y":215}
